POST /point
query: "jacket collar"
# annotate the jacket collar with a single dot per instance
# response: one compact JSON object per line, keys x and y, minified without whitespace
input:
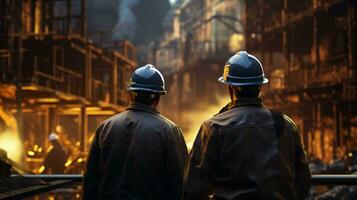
{"x":244,"y":101}
{"x":142,"y":107}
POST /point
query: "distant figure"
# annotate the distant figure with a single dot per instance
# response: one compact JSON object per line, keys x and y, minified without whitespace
{"x":56,"y":157}
{"x":137,"y":154}
{"x":247,"y":151}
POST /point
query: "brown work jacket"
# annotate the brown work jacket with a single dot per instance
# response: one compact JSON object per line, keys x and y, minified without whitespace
{"x":238,"y":154}
{"x":137,"y":154}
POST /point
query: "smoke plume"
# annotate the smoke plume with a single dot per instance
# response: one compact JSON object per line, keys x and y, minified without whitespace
{"x":126,"y":28}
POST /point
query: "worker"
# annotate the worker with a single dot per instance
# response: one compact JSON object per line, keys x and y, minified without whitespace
{"x":246,"y":151}
{"x":56,"y":158}
{"x":138,"y":153}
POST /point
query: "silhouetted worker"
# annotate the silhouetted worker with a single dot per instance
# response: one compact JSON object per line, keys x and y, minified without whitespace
{"x":56,"y":158}
{"x":137,"y":154}
{"x":247,"y":151}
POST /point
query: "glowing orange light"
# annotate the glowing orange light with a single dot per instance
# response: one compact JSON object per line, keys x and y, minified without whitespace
{"x":30,"y":153}
{"x":68,"y":163}
{"x":42,"y":168}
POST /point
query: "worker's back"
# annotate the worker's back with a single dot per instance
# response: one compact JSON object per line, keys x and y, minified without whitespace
{"x":243,"y":156}
{"x":137,"y":154}
{"x":55,"y":159}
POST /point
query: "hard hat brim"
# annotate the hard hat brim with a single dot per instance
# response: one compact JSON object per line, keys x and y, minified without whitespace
{"x":221,"y":79}
{"x":148,"y":90}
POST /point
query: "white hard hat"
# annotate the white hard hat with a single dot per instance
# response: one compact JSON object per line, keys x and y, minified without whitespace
{"x":53,"y":136}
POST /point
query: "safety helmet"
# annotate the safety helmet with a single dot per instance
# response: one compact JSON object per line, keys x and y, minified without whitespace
{"x":243,"y":69}
{"x":147,"y":78}
{"x":53,"y":136}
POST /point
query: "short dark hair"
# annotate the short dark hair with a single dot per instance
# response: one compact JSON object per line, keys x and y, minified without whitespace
{"x":144,"y":97}
{"x":247,"y":91}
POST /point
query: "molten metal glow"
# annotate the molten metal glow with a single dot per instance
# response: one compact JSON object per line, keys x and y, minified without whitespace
{"x":68,"y":163}
{"x":10,"y":142}
{"x":42,"y":168}
{"x":30,"y":153}
{"x":196,"y":117}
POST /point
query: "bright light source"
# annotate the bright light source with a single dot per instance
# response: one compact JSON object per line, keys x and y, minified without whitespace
{"x":11,"y":143}
{"x":68,"y":163}
{"x":236,"y":42}
{"x":47,"y":100}
{"x":42,"y":168}
{"x":30,"y":153}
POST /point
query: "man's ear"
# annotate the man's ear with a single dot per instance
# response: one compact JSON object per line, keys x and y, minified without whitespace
{"x":157,"y":100}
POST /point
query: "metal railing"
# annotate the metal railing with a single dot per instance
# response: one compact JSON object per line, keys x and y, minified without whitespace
{"x":325,"y":179}
{"x":58,"y":181}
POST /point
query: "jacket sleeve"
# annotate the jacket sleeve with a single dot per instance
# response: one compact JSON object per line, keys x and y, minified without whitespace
{"x":200,"y":167}
{"x":303,"y":175}
{"x":91,"y":175}
{"x":176,"y":155}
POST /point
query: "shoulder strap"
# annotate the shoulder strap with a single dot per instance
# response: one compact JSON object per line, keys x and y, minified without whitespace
{"x":278,"y":118}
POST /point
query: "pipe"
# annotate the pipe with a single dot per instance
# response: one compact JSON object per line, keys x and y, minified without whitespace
{"x":325,"y":179}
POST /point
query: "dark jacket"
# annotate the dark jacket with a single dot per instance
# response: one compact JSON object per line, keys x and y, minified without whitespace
{"x":55,"y":160}
{"x":137,"y":154}
{"x":237,"y":155}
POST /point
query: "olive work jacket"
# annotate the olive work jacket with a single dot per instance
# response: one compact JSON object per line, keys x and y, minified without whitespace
{"x":237,"y":155}
{"x":137,"y":154}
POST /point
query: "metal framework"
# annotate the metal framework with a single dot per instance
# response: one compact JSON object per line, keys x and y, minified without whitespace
{"x":310,"y":58}
{"x":61,"y":180}
{"x":51,"y":72}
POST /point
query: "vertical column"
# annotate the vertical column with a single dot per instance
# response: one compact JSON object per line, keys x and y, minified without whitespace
{"x":19,"y":67}
{"x":47,"y":127}
{"x":351,"y":34}
{"x":285,"y":47}
{"x":43,"y":16}
{"x":317,"y":126}
{"x":351,"y":65}
{"x":69,"y":7}
{"x":336,"y":139}
{"x":83,"y":127}
{"x":261,"y":29}
{"x":51,"y":15}
{"x":51,"y":120}
{"x":89,"y":73}
{"x":33,"y":15}
{"x":114,"y":80}
{"x":84,"y":18}
{"x":316,"y":45}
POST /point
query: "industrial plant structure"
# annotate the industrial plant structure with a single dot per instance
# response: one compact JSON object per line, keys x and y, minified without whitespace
{"x":308,"y":49}
{"x":54,"y":79}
